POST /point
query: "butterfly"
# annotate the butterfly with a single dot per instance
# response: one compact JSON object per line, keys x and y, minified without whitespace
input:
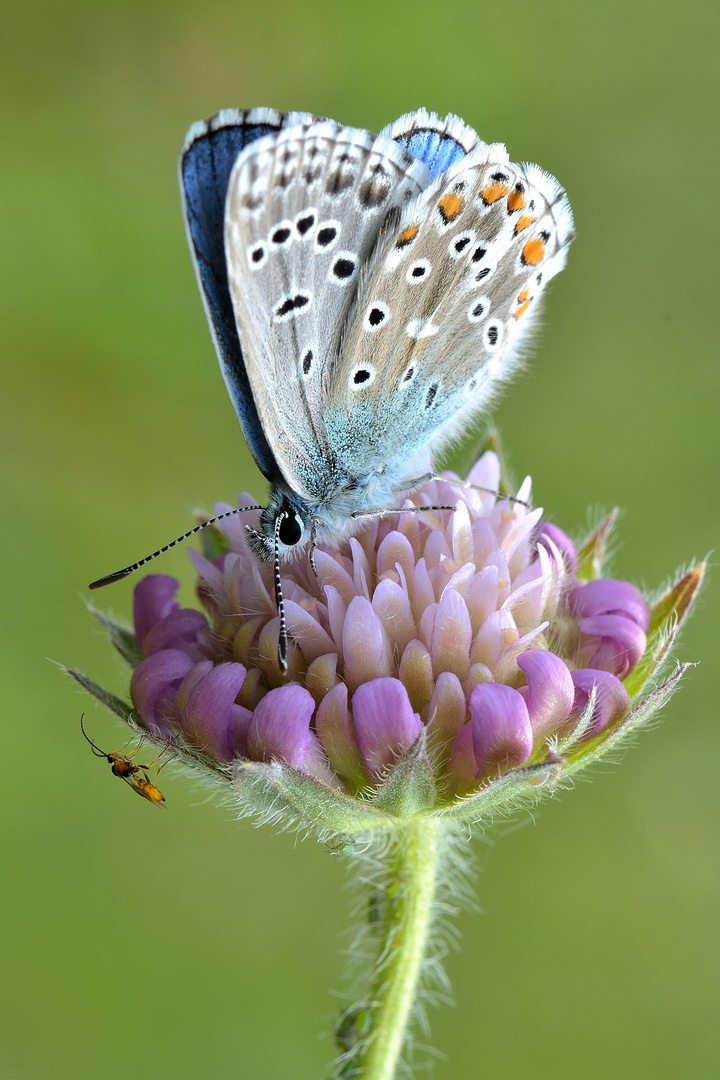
{"x":367,"y":295}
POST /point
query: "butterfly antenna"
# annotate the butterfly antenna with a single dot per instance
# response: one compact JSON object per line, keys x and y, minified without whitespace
{"x":501,"y":495}
{"x":119,"y":574}
{"x":95,"y":749}
{"x":282,"y":639}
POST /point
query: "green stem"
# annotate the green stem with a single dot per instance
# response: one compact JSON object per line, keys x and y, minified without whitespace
{"x":374,"y":1034}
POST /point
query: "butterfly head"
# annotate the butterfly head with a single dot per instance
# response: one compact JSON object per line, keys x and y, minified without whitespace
{"x":286,"y":525}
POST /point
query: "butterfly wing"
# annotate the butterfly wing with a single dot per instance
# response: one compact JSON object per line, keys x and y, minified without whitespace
{"x":438,"y":143}
{"x":209,"y":152}
{"x":305,"y":208}
{"x":443,"y":307}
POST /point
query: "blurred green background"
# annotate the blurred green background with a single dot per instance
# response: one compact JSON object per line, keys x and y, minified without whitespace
{"x":180,"y":944}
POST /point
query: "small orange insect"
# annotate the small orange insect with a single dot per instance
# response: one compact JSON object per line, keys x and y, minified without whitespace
{"x":136,"y":776}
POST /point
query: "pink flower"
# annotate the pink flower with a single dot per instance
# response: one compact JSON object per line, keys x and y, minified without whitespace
{"x":467,"y":625}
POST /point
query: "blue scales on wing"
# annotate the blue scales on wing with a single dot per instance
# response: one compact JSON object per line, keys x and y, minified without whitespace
{"x":206,"y":161}
{"x":437,"y":142}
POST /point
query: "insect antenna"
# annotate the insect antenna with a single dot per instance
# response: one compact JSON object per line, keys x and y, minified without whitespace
{"x":398,"y":510}
{"x":282,"y":639}
{"x":95,"y":749}
{"x":501,"y":495}
{"x":119,"y":574}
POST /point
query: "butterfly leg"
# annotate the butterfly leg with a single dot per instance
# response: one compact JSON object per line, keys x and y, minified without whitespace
{"x":409,"y":485}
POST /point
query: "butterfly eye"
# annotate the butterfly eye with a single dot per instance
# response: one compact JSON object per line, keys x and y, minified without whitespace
{"x":290,"y":530}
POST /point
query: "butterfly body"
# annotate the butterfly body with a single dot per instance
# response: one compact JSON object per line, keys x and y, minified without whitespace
{"x":367,"y":296}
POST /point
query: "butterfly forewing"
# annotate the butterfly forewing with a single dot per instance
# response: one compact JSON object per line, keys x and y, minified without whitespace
{"x":447,"y":297}
{"x":304,"y":211}
{"x":208,"y":155}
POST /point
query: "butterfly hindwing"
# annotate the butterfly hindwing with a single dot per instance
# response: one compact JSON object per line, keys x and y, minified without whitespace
{"x":437,"y":142}
{"x":304,"y":212}
{"x":443,"y":308}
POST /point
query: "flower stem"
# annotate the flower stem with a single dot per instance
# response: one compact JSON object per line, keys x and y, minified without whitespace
{"x":374,"y":1034}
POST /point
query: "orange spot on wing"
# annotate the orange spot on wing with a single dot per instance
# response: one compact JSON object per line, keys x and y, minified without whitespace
{"x":407,"y":236}
{"x":450,"y":206}
{"x":516,"y":200}
{"x":533,"y":252}
{"x":523,"y":222}
{"x":522,"y":297}
{"x":492,"y":192}
{"x":523,"y":307}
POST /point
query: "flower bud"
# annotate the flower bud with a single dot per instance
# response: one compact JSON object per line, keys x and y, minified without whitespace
{"x":549,"y":693}
{"x":154,"y":685}
{"x":211,"y":720}
{"x":611,"y":699}
{"x":501,"y":729}
{"x":385,"y":723}
{"x":280,"y":729}
{"x":153,"y":599}
{"x":613,"y":618}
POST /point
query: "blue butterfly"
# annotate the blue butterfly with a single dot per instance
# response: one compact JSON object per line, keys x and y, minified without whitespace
{"x":367,"y":295}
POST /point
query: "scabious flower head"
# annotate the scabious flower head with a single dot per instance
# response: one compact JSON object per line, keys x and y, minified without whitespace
{"x":433,"y":658}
